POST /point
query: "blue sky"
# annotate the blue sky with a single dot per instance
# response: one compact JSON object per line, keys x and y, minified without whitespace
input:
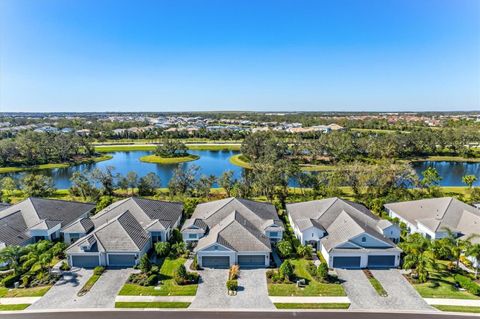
{"x":196,"y":55}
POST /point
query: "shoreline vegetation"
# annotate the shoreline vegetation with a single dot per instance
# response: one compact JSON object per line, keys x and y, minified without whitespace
{"x":152,"y":147}
{"x":15,"y":169}
{"x":154,"y":159}
{"x":242,"y":161}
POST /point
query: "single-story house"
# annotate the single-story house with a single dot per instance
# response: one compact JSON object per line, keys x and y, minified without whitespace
{"x":233,"y":231}
{"x":431,"y":217}
{"x":347,"y":233}
{"x":123,"y":232}
{"x":34,"y":219}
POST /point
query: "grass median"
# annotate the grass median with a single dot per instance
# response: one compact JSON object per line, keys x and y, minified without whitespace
{"x":332,"y":305}
{"x":168,"y":160}
{"x":152,"y":304}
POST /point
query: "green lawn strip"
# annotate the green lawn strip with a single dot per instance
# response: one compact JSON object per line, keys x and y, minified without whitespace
{"x":88,"y":285}
{"x":242,"y":161}
{"x":378,"y":287}
{"x":332,"y":305}
{"x":24,"y":292}
{"x":21,"y":306}
{"x":13,"y":169}
{"x":314,"y":288}
{"x":168,"y":288}
{"x":152,"y":304}
{"x":458,"y":308}
{"x":209,"y":147}
{"x":447,"y":159}
{"x":168,"y":160}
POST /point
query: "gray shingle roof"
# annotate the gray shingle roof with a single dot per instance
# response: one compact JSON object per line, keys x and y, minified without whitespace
{"x":341,"y":219}
{"x":37,"y":213}
{"x":439,"y":213}
{"x":84,"y":225}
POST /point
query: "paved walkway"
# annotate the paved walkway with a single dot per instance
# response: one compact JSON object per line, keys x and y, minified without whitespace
{"x":63,"y":295}
{"x":316,"y":261}
{"x":453,"y":302}
{"x":309,"y":299}
{"x":401,"y":295}
{"x":276,"y":258}
{"x":18,"y":300}
{"x":212,"y":292}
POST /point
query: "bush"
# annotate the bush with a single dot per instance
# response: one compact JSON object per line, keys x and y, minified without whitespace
{"x":233,"y":272}
{"x":311,"y":269}
{"x":193,"y":277}
{"x":145,"y":265}
{"x":232,"y":285}
{"x":284,"y":248}
{"x":162,"y":249}
{"x":178,"y":249}
{"x":194,"y":265}
{"x":9,"y":280}
{"x":305,"y":251}
{"x":176,"y":236}
{"x":468,"y":284}
{"x":180,"y":275}
{"x":286,"y":270}
{"x":270,"y":273}
{"x":65,"y":266}
{"x":152,"y":280}
{"x":322,"y":271}
{"x":98,"y":270}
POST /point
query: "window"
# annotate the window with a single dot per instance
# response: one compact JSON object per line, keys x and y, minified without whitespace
{"x":364,"y":239}
{"x":273,"y":234}
{"x":192,"y":236}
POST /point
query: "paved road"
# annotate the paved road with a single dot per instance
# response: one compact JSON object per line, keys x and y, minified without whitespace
{"x":102,"y":295}
{"x":401,"y":295}
{"x":212,"y":292}
{"x":229,"y":315}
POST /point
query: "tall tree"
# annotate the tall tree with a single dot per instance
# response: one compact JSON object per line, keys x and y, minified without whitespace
{"x":38,"y":185}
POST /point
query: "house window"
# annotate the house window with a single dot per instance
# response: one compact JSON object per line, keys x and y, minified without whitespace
{"x":273,"y":234}
{"x":192,"y":236}
{"x":364,"y":239}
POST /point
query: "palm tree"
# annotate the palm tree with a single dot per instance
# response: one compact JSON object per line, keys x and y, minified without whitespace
{"x":469,"y":180}
{"x":474,"y":251}
{"x":11,"y":255}
{"x":419,"y":263}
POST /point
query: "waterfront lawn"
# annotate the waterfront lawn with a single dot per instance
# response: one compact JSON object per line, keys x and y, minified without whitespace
{"x":168,"y":160}
{"x":313,"y":287}
{"x":152,"y":304}
{"x":168,"y":287}
{"x":24,"y":292}
{"x":332,"y":305}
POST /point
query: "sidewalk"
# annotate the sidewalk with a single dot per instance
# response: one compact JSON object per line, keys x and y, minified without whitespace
{"x":18,"y":300}
{"x":154,"y":298}
{"x":309,"y":299}
{"x":453,"y":302}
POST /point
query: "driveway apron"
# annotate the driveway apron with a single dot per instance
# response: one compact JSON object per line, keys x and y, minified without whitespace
{"x":212,"y":291}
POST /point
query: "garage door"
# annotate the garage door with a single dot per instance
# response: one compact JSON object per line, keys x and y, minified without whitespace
{"x":251,"y":260}
{"x":216,"y":261}
{"x":85,"y":261}
{"x":121,"y":260}
{"x":381,"y":261}
{"x":346,"y":262}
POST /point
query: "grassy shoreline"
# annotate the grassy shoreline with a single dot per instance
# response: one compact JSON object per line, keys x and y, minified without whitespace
{"x":168,"y":160}
{"x":14,"y":169}
{"x":152,"y":147}
{"x":240,"y":160}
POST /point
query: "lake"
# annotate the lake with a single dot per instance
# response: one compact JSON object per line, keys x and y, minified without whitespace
{"x":217,"y":162}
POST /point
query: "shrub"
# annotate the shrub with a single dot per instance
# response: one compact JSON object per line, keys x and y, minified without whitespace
{"x":193,"y":277}
{"x":311,"y":269}
{"x":284,"y":248}
{"x":232,"y":285}
{"x":180,"y":275}
{"x":468,"y":284}
{"x":176,"y":236}
{"x":194,"y":265}
{"x":162,"y":249}
{"x":145,"y":265}
{"x":98,"y":270}
{"x":270,"y":273}
{"x":305,"y":251}
{"x":322,"y":271}
{"x":9,"y":280}
{"x":26,"y":280}
{"x":152,"y":280}
{"x":233,"y":272}
{"x":178,"y":249}
{"x":286,"y":270}
{"x":65,"y":266}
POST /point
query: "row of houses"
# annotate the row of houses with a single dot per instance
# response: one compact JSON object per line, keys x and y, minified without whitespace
{"x":232,"y":230}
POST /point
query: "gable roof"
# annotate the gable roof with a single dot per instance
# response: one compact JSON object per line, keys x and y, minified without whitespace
{"x":342,"y":220}
{"x":40,"y":214}
{"x":439,"y":213}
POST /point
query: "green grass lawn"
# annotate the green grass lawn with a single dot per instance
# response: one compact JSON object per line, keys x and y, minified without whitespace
{"x":21,"y":306}
{"x":378,"y":287}
{"x":458,"y":308}
{"x":314,"y":288}
{"x":312,"y":305}
{"x":152,"y":304}
{"x":24,"y":292}
{"x":442,"y":285}
{"x":168,"y":160}
{"x":241,"y":161}
{"x":89,"y":284}
{"x":169,"y":287}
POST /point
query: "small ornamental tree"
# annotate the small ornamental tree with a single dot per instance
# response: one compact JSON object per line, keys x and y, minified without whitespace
{"x":145,"y":265}
{"x":286,"y":270}
{"x":181,"y":275}
{"x":162,"y":249}
{"x":232,"y":285}
{"x":322,"y":271}
{"x":284,"y":248}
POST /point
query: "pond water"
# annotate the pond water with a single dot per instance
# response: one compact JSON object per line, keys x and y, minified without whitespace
{"x":217,"y":162}
{"x":451,"y":172}
{"x":210,"y":163}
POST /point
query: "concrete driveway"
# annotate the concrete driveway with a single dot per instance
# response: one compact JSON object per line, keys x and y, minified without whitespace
{"x":401,"y":295}
{"x":63,"y":295}
{"x":212,"y":292}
